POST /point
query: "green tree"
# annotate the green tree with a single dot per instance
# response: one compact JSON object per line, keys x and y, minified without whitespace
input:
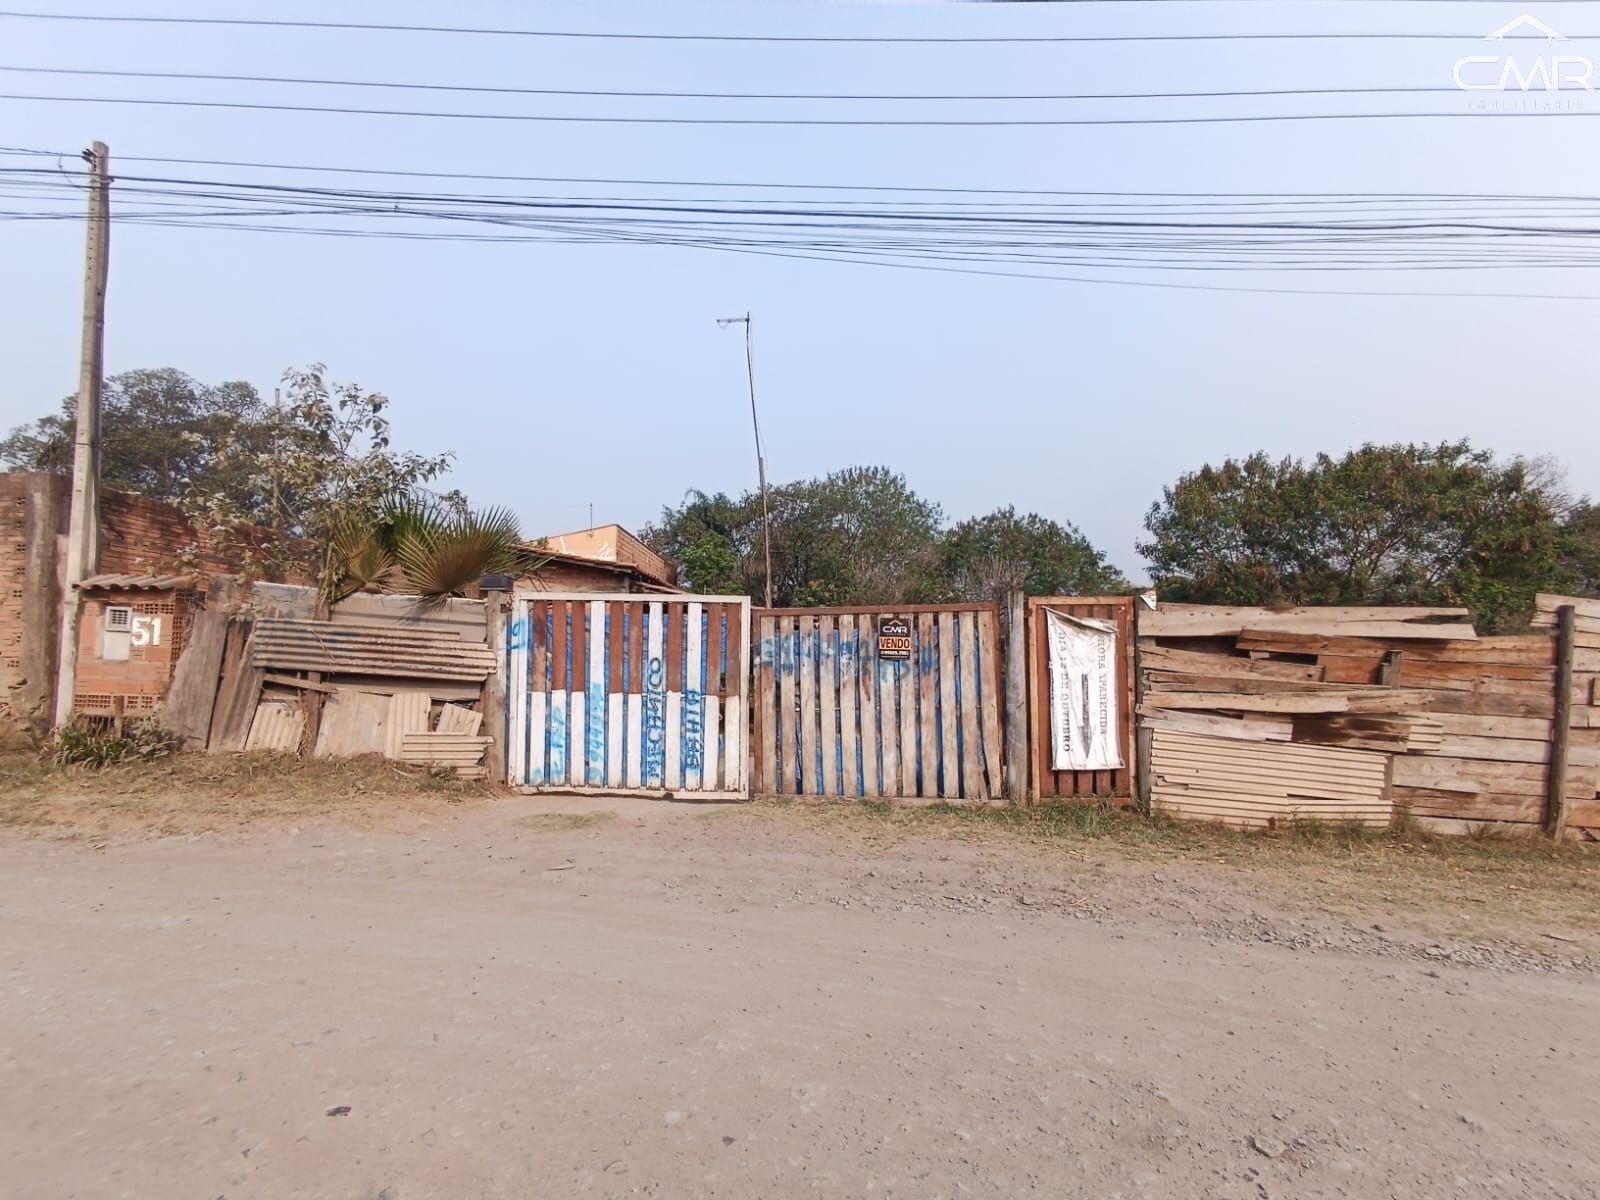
{"x":983,"y":558}
{"x":326,"y":468}
{"x":1583,"y":536}
{"x":1400,"y":524}
{"x":160,"y":435}
{"x":857,"y":536}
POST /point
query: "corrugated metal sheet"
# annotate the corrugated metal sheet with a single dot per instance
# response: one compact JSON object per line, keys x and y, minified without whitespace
{"x":277,"y":726}
{"x":331,"y":648}
{"x":1260,"y":784}
{"x":466,"y":620}
{"x":139,"y":583}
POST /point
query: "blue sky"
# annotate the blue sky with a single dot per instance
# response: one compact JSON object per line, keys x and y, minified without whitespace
{"x":568,"y":375}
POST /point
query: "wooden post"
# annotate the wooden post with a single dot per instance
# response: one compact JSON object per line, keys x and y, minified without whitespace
{"x":1555,"y":816}
{"x":83,"y":529}
{"x":1389,"y":673}
{"x":1017,"y":726}
{"x":494,"y":689}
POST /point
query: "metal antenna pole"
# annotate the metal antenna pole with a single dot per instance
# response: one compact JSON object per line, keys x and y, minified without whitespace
{"x":761,"y":459}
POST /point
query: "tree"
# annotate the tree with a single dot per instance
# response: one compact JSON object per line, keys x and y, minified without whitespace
{"x":857,"y":536}
{"x":983,"y":558}
{"x":160,"y":434}
{"x":1583,"y":539}
{"x":1400,"y":524}
{"x":422,"y":545}
{"x":325,"y":469}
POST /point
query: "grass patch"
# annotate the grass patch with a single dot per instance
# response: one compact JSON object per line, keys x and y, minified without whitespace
{"x":198,"y":792}
{"x":565,"y":822}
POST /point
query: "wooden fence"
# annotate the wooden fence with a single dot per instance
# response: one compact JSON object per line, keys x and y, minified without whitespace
{"x":832,"y":718}
{"x":1049,"y":784}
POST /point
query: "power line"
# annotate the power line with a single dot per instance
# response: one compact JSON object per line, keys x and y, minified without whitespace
{"x":931,"y":122}
{"x":479,"y":89}
{"x":807,"y":39}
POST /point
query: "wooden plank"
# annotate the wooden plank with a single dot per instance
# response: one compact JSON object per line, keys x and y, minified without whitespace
{"x":238,"y":694}
{"x":711,"y":771}
{"x":991,"y":699}
{"x":408,"y":713}
{"x":736,"y":768}
{"x":1547,"y":608}
{"x":1213,"y":620}
{"x":1018,"y":729}
{"x":455,"y":718}
{"x":1555,"y":817}
{"x":828,"y":702}
{"x":1044,"y":784}
{"x":849,"y":729}
{"x":353,"y":724}
{"x":810,"y":726}
{"x":888,"y":722}
{"x":676,"y":627}
{"x":1155,"y":656}
{"x":578,"y":696}
{"x":633,"y":707}
{"x":789,"y":706}
{"x":866,"y":668}
{"x":492,"y":717}
{"x":950,"y":766}
{"x":1249,"y":729}
{"x":1475,"y":775}
{"x":596,"y":707}
{"x":967,"y":702}
{"x":762,"y":693}
{"x":905,"y":683}
{"x":186,"y":710}
{"x":616,"y":693}
{"x":694,"y":724}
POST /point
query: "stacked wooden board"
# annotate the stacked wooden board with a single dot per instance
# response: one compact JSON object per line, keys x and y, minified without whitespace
{"x":1261,"y":784}
{"x":1475,"y":751}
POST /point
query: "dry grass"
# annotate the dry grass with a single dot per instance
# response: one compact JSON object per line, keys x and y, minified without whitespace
{"x":192,"y":793}
{"x":1448,"y":885}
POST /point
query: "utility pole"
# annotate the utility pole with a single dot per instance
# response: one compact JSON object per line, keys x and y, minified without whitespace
{"x":83,"y":529}
{"x":761,"y":459}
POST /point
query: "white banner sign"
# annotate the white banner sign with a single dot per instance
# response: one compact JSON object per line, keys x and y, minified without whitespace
{"x":1084,"y":705}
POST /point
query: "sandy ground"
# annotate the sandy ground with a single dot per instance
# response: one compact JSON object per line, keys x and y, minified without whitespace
{"x":531,"y":998}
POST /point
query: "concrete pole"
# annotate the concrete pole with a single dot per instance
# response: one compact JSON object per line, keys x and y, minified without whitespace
{"x":83,"y":528}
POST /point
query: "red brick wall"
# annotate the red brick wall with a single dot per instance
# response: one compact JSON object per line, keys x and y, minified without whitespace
{"x":143,"y":679}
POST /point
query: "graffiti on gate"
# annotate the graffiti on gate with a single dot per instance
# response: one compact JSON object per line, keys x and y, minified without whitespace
{"x":558,"y":734}
{"x":594,"y":773}
{"x":694,"y":729}
{"x":520,"y":634}
{"x":655,"y":722}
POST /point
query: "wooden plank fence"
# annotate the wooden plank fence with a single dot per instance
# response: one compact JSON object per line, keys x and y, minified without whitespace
{"x":832,"y":719}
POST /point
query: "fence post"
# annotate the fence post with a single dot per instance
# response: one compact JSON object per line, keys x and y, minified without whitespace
{"x":494,"y":688}
{"x":1555,"y":815}
{"x":1017,"y":725}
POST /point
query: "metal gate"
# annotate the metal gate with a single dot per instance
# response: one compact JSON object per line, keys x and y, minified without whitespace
{"x":833,"y":718}
{"x":623,"y":693}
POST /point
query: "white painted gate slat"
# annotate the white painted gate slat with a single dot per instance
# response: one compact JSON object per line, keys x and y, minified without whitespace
{"x":594,"y":774}
{"x":692,"y":731}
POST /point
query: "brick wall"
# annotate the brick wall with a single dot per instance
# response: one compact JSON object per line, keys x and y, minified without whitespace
{"x":138,"y":536}
{"x":142,"y":679}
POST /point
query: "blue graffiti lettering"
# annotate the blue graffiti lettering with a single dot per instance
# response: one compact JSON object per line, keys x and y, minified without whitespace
{"x":655,"y":722}
{"x":520,"y":634}
{"x":595,"y":774}
{"x":694,"y":729}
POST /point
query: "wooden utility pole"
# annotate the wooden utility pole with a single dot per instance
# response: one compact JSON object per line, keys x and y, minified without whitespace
{"x":83,"y":529}
{"x":1555,"y":813}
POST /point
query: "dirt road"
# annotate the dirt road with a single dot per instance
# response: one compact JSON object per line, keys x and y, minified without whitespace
{"x":507,"y":1002}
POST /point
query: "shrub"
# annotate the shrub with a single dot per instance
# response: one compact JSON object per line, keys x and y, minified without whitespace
{"x":100,"y":743}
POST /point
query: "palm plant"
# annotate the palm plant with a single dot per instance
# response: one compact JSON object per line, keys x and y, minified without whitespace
{"x":418,"y":544}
